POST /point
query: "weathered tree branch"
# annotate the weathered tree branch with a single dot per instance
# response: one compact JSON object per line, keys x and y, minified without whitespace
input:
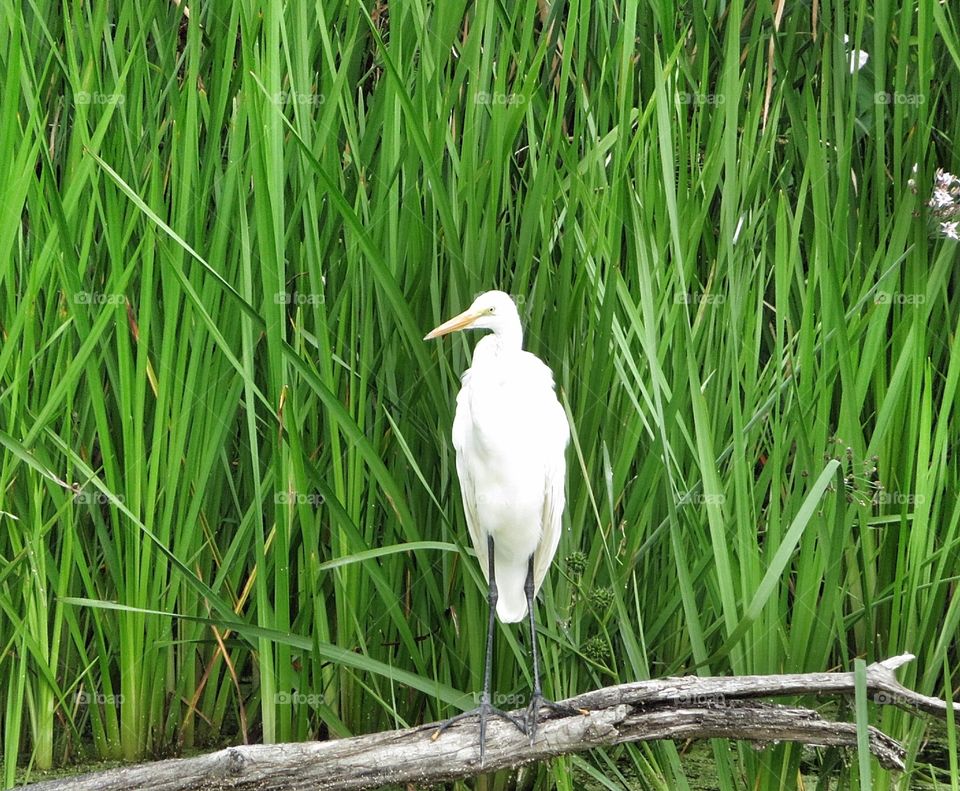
{"x":673,"y":708}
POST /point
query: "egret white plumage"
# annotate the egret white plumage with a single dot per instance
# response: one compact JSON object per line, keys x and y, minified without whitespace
{"x":510,"y":434}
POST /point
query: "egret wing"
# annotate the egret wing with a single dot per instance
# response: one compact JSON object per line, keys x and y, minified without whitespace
{"x":555,"y":469}
{"x":462,"y":426}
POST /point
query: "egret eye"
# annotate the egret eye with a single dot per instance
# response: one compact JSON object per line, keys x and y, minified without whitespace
{"x":491,"y":310}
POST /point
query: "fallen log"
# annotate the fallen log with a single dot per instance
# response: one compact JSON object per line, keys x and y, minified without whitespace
{"x":690,"y":707}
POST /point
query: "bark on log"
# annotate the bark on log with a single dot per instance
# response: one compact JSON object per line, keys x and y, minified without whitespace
{"x":673,"y":708}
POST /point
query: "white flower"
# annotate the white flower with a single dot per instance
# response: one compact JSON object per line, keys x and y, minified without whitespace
{"x":946,"y":179}
{"x":912,"y":181}
{"x":944,"y":204}
{"x":858,"y":57}
{"x":940,"y":198}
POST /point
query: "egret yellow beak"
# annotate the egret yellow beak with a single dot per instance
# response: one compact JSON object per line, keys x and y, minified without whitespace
{"x":459,"y":322}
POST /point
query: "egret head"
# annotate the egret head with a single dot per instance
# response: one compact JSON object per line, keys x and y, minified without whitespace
{"x":492,"y":310}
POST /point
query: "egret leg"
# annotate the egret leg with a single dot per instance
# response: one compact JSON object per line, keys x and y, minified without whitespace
{"x":486,"y":709}
{"x":537,"y":700}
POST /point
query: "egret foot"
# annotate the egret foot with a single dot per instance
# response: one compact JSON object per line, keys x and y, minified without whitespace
{"x":537,"y":702}
{"x":484,"y":711}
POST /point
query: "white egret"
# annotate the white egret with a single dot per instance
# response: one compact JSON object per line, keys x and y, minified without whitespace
{"x":510,"y":434}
